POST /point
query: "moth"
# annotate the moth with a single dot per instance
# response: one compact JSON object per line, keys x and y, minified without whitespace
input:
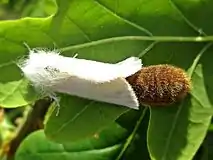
{"x":126,"y":83}
{"x":49,"y":72}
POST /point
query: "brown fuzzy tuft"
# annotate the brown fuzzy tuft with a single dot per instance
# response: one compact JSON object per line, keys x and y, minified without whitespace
{"x":160,"y":85}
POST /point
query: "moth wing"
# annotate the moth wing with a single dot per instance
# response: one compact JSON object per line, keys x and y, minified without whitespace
{"x":117,"y":91}
{"x":129,"y":66}
{"x":100,"y":72}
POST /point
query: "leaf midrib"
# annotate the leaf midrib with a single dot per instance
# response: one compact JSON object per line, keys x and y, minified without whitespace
{"x":73,"y":118}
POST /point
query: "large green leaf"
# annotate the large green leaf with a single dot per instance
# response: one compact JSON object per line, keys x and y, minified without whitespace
{"x":108,"y":144}
{"x":177,"y":132}
{"x":104,"y":146}
{"x":111,"y":30}
{"x":79,"y":119}
{"x":14,"y":90}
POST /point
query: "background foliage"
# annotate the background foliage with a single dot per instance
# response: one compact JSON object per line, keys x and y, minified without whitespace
{"x":158,"y":31}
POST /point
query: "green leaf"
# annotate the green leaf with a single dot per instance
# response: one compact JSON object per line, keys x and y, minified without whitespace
{"x":162,"y":31}
{"x":107,"y":144}
{"x":104,"y":146}
{"x":14,"y":89}
{"x":79,"y":119}
{"x":177,"y":132}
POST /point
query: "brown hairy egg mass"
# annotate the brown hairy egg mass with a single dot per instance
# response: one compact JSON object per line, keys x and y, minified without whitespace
{"x":160,"y":85}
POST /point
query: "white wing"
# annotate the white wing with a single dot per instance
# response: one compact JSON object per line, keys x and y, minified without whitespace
{"x":117,"y":91}
{"x":100,"y":72}
{"x":35,"y":68}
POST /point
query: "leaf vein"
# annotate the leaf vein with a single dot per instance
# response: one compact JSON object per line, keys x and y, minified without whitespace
{"x":80,"y":29}
{"x":132,"y":135}
{"x":12,"y":92}
{"x":208,"y":110}
{"x":191,"y":25}
{"x":51,"y":38}
{"x":147,"y":49}
{"x":133,"y":24}
{"x":75,"y":117}
{"x":6,"y":64}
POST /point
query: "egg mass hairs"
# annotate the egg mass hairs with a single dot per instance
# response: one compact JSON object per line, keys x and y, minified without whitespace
{"x":159,"y":85}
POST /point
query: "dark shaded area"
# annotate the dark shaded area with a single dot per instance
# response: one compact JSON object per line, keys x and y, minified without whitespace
{"x":33,"y":122}
{"x":137,"y":149}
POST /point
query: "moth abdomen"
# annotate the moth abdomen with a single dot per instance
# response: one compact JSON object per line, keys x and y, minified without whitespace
{"x":160,"y":85}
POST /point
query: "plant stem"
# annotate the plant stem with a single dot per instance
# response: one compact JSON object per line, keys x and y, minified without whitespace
{"x":140,"y":38}
{"x":132,"y":135}
{"x":33,"y":122}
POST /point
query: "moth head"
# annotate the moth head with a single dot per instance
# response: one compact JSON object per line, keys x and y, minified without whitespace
{"x":41,"y":67}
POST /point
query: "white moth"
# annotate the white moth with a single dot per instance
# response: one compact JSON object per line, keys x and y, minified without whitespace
{"x":50,"y":72}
